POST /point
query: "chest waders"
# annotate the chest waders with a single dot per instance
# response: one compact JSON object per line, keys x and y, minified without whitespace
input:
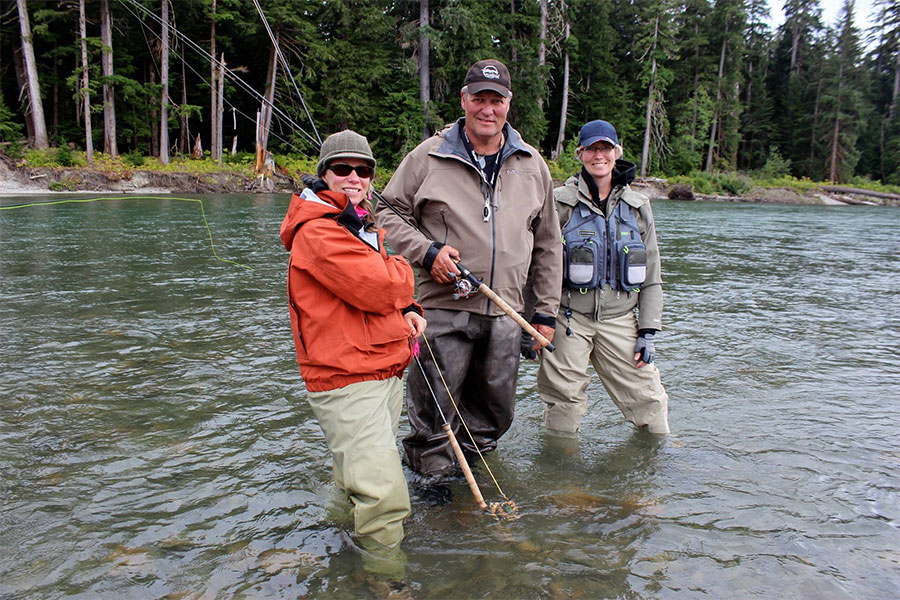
{"x":599,"y":251}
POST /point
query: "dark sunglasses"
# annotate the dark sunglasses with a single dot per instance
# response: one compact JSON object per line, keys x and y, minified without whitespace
{"x":342,"y":170}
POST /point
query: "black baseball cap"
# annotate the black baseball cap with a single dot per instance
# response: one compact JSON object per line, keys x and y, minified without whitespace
{"x":488,"y":74}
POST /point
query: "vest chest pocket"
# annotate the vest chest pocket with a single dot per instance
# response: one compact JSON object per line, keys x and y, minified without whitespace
{"x":632,"y":263}
{"x":582,"y":264}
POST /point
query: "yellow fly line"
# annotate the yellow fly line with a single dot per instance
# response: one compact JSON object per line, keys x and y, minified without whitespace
{"x":81,"y":200}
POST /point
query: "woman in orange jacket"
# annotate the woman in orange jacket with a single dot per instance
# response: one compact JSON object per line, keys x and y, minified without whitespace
{"x":354,"y":322}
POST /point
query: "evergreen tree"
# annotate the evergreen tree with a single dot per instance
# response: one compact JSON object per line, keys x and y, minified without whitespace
{"x":879,"y":143}
{"x":657,"y":47}
{"x":794,"y":82}
{"x":756,"y":118}
{"x":728,"y":19}
{"x":605,"y":75}
{"x":842,"y":98}
{"x":690,"y":99}
{"x":718,"y":84}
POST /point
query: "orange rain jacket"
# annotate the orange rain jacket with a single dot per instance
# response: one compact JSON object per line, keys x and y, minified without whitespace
{"x":346,"y":297}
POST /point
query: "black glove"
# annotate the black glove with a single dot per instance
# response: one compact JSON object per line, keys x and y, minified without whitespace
{"x":526,"y":346}
{"x":644,"y":345}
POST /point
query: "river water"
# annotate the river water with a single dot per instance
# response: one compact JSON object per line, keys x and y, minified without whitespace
{"x":155,"y":441}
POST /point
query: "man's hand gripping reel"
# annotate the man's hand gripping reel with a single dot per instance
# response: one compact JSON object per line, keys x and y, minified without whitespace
{"x":468,"y":285}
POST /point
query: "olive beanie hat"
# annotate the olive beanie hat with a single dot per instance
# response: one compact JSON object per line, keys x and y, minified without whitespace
{"x":344,"y":144}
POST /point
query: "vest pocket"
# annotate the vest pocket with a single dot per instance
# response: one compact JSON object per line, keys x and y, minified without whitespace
{"x":583,"y":266}
{"x":632,"y":263}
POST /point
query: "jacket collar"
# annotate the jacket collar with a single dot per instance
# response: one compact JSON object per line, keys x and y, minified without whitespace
{"x":352,"y":223}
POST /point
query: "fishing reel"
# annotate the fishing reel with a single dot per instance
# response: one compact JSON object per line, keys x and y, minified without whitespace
{"x":462,"y":288}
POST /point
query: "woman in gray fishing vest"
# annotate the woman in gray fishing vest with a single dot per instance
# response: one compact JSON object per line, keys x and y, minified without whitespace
{"x":611,"y":302}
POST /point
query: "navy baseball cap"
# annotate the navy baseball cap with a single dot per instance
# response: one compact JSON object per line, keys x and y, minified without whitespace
{"x":597,"y":131}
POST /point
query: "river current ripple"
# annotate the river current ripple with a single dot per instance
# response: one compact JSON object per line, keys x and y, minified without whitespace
{"x":155,"y":440}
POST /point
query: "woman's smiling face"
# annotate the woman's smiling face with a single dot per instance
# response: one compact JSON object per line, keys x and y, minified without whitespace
{"x":352,"y":184}
{"x":599,"y":159}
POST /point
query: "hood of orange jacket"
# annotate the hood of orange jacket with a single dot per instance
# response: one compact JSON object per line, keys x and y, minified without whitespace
{"x":346,"y":295}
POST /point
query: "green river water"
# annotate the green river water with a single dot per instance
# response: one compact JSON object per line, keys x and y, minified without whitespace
{"x":155,"y":441}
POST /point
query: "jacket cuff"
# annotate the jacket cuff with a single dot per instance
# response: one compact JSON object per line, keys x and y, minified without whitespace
{"x":414,"y":308}
{"x":432,"y":253}
{"x":643,"y":332}
{"x":542,"y":319}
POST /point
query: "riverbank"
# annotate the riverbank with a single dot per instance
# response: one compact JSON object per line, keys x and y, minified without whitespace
{"x":20,"y":181}
{"x":17,"y":181}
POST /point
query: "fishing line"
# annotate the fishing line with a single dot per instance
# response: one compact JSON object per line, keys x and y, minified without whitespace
{"x":286,"y":68}
{"x":82,"y":200}
{"x":461,"y":420}
{"x":231,"y":75}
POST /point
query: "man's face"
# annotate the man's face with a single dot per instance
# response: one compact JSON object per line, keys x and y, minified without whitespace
{"x":485,"y":115}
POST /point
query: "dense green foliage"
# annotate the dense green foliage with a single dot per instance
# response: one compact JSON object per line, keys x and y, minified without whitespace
{"x":810,"y":99}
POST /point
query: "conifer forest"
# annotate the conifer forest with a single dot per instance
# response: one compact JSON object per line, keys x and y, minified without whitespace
{"x":691,"y":85}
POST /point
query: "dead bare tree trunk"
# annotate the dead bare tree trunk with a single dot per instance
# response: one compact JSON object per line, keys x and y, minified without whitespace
{"x":795,"y":43}
{"x":109,"y":99}
{"x":561,"y":137}
{"x":696,"y":108}
{"x":424,"y":65}
{"x":835,"y":145}
{"x":814,"y":135}
{"x":645,"y":152}
{"x":184,"y":134}
{"x":220,"y":96}
{"x":213,"y":87}
{"x":265,"y":111}
{"x":164,"y":96}
{"x":31,"y":77}
{"x":85,"y":91}
{"x":542,"y":48}
{"x":22,"y":83}
{"x":715,"y":119}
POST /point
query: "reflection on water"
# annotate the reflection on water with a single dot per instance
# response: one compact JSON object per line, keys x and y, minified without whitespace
{"x":155,"y":438}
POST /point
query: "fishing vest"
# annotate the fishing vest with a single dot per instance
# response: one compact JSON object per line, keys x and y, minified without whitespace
{"x":597,"y":251}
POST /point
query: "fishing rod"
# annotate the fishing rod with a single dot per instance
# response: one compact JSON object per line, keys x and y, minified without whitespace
{"x":506,"y":509}
{"x":286,"y":68}
{"x":457,"y":450}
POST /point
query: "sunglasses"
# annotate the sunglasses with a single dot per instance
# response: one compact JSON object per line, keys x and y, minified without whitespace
{"x":342,"y":170}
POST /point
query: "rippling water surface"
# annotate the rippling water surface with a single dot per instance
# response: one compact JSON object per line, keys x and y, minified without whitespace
{"x":155,"y":440}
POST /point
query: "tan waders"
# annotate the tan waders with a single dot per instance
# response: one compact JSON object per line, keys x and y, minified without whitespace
{"x":360,"y":422}
{"x":608,"y":345}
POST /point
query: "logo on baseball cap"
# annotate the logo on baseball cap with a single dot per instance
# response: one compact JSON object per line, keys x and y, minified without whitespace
{"x":488,"y":75}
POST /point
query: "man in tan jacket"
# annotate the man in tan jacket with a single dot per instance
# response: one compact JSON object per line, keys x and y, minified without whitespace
{"x":474,"y":193}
